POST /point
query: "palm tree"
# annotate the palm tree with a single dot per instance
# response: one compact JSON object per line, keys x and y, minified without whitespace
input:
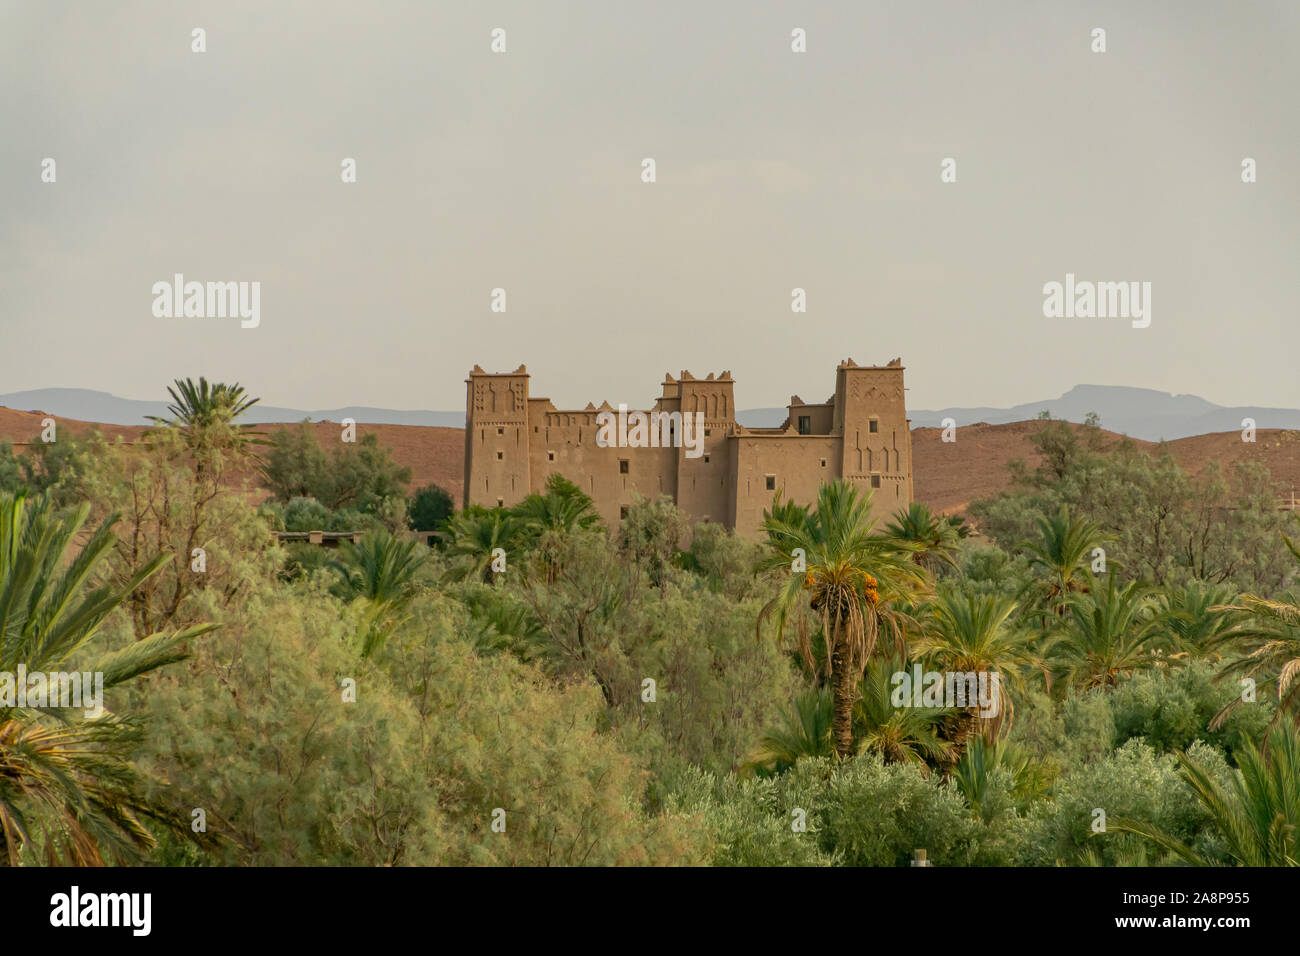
{"x":563,"y":507}
{"x":1267,"y":644}
{"x":1061,"y":553}
{"x":544,"y":519}
{"x":380,"y":570}
{"x":68,"y":791}
{"x":1108,"y":633}
{"x":973,"y":773}
{"x":1257,"y":814}
{"x":474,"y":535}
{"x":850,"y":577}
{"x":935,"y":537}
{"x":898,"y":734}
{"x":978,"y":634}
{"x":1197,"y":616}
{"x":804,"y":731}
{"x":205,"y":414}
{"x":500,"y":622}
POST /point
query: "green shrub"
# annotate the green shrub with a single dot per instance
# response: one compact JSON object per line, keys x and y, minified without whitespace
{"x":1135,"y":782}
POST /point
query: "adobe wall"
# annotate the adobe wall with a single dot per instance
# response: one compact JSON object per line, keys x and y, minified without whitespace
{"x":795,"y":463}
{"x":565,"y":442}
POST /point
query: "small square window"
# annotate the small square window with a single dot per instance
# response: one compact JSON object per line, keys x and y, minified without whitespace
{"x":875,"y":481}
{"x":823,"y":462}
{"x":706,"y":459}
{"x":622,"y":512}
{"x":708,"y":432}
{"x":771,"y":482}
{"x":502,"y":431}
{"x":500,"y":455}
{"x":501,"y":502}
{"x":805,"y":424}
{"x":624,"y":466}
{"x":550,"y":456}
{"x":873,"y":426}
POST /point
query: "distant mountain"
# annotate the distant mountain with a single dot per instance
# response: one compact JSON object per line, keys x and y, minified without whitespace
{"x":1138,"y":412}
{"x":92,"y":406}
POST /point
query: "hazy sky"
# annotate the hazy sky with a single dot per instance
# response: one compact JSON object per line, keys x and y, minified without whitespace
{"x":775,"y":170}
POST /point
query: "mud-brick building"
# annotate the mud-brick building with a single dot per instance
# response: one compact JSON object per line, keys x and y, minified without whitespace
{"x":513,"y":441}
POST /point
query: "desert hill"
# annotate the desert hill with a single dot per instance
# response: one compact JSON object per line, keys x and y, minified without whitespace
{"x":435,"y":455}
{"x":948,"y":475}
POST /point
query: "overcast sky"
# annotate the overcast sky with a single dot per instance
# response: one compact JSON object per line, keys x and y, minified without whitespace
{"x":775,"y":170}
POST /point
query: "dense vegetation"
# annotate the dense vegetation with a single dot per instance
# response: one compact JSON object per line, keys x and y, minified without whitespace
{"x":541,"y":689}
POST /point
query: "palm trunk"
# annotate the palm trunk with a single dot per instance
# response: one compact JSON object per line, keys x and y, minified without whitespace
{"x":844,"y":687}
{"x":968,"y":726}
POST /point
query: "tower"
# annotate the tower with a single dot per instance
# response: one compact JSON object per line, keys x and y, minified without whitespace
{"x":871,"y":414}
{"x":496,"y":438}
{"x":703,"y":483}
